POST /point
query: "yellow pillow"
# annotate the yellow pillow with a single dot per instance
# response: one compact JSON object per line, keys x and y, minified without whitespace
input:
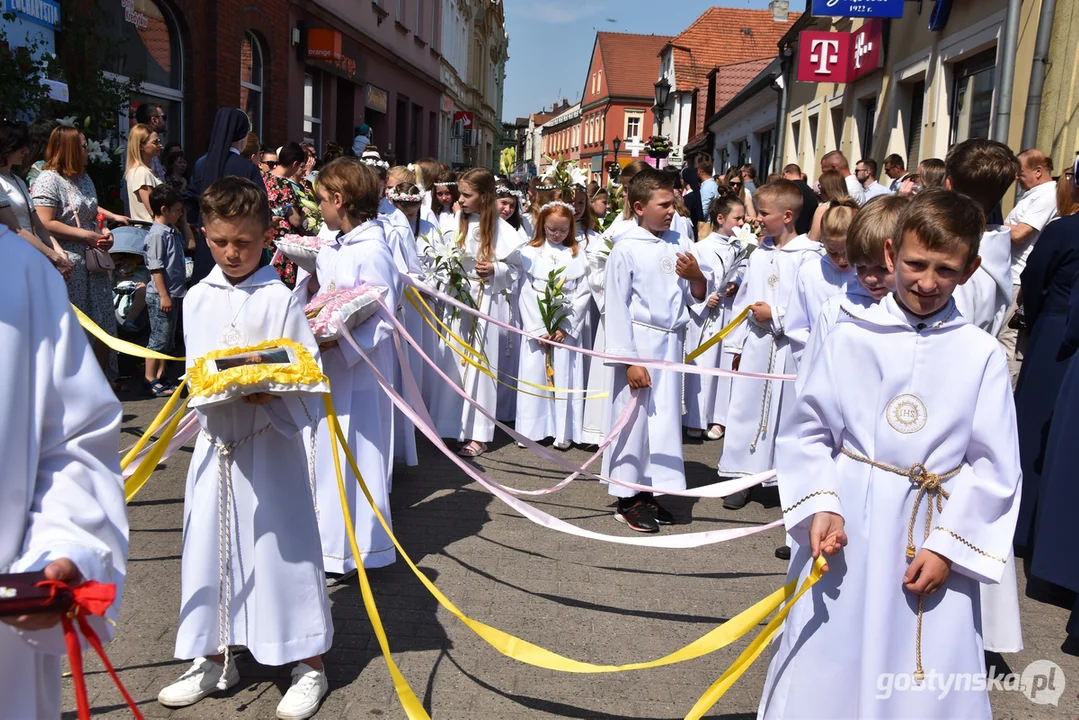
{"x":274,"y":366}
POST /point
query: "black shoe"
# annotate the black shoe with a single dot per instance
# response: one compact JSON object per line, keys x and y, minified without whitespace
{"x":637,"y":515}
{"x":736,"y":501}
{"x":662,"y":515}
{"x":783,"y":553}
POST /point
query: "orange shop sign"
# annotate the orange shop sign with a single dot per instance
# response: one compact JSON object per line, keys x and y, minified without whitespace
{"x":323,"y":44}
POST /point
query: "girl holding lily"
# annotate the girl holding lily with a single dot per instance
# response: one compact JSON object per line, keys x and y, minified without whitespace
{"x":555,"y":300}
{"x":490,"y":245}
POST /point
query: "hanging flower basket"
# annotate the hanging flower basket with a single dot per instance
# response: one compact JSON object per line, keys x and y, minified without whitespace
{"x":658,"y":146}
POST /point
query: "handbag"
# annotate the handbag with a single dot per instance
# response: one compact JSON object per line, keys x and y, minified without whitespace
{"x":97,"y":260}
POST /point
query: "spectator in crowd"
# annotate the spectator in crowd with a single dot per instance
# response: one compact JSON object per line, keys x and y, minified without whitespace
{"x":222,"y":159}
{"x":304,"y":177}
{"x":866,"y":173}
{"x":1066,"y":205}
{"x":143,"y":147}
{"x":709,"y":188}
{"x":40,"y":130}
{"x":14,"y":147}
{"x":362,"y":140}
{"x":153,"y":115}
{"x":749,"y":178}
{"x":66,"y":201}
{"x":267,"y":159}
{"x":283,"y":190}
{"x":251,"y":148}
{"x":736,"y":183}
{"x":895,"y":167}
{"x":804,"y":223}
{"x":837,"y":161}
{"x":176,"y":170}
{"x":333,"y":151}
{"x":930,"y":174}
{"x":1036,"y":207}
{"x":833,"y":191}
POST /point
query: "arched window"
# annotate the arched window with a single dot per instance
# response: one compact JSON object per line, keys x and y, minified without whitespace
{"x":148,"y":43}
{"x":251,"y":81}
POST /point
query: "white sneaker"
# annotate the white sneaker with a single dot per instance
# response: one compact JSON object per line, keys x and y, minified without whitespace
{"x":199,"y":681}
{"x":563,"y":445}
{"x":301,"y":701}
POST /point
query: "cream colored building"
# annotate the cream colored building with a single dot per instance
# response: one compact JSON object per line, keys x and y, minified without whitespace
{"x":934,"y":90}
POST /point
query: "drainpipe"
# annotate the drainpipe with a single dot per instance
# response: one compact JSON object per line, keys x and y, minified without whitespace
{"x":1008,"y":44}
{"x":784,"y":83}
{"x":1037,"y":74}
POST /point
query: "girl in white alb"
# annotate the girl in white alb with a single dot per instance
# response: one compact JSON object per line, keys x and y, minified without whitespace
{"x":509,"y":209}
{"x":542,"y":414}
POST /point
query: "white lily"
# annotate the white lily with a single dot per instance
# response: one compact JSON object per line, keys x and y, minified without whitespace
{"x":746,"y":236}
{"x":68,"y":121}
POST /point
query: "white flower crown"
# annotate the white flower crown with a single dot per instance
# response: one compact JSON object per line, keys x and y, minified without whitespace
{"x":375,"y":162}
{"x":558,"y":203}
{"x":404,"y":197}
{"x":446,"y":184}
{"x":546,"y":188}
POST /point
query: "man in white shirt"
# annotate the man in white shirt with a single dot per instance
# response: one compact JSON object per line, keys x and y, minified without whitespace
{"x":866,"y":174}
{"x":835,"y":160}
{"x":1031,"y":214}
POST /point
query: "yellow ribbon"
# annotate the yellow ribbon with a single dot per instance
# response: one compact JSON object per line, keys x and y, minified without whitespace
{"x":718,"y":337}
{"x":153,"y":458}
{"x":120,"y":346}
{"x":530,"y":654}
{"x":485,"y":369}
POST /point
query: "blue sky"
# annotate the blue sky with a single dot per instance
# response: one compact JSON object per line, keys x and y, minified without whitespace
{"x":551,"y":41}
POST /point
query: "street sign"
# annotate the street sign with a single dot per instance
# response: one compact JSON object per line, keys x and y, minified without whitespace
{"x":858,"y":8}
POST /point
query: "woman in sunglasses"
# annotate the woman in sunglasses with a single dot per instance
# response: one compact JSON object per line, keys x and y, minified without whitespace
{"x":143,"y":147}
{"x":734,"y":181}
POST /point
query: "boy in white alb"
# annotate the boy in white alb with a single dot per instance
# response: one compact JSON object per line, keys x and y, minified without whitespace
{"x":652,"y":280}
{"x":872,"y":227}
{"x":269,"y":593}
{"x":900,"y":463}
{"x":818,"y":281}
{"x":63,"y":512}
{"x":769,"y":281}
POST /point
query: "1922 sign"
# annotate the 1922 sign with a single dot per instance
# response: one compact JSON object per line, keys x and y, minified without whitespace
{"x":858,"y":8}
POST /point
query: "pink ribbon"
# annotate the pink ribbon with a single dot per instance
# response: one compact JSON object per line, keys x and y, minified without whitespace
{"x":685,"y":540}
{"x":657,"y":364}
{"x":187,"y":429}
{"x":719,"y":489}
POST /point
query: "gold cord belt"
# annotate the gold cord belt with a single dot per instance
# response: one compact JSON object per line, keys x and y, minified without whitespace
{"x":928,"y":484}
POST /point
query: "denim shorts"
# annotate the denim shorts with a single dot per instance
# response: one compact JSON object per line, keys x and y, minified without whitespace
{"x":162,"y":324}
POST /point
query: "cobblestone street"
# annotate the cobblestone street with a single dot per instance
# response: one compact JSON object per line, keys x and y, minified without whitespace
{"x":592,"y":601}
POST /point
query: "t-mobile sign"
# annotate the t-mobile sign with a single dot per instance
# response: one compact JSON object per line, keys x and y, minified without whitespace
{"x":837,"y":57}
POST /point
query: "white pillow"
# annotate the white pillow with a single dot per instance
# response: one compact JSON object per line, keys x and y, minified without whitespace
{"x":329,"y":311}
{"x":301,"y":249}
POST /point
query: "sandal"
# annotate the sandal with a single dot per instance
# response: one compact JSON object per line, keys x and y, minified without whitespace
{"x":158,"y":389}
{"x":472,"y":449}
{"x":716,"y":432}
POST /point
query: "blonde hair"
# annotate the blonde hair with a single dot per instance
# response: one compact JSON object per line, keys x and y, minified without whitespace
{"x":874,"y":224}
{"x":837,"y":219}
{"x":136,"y":138}
{"x":401,"y":174}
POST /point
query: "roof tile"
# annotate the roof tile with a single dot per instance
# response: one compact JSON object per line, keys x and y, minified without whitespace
{"x":631,"y":62}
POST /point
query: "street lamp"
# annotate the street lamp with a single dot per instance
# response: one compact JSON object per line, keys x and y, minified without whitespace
{"x":617,"y":142}
{"x":663,"y":91}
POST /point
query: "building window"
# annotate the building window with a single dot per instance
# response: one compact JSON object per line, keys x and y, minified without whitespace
{"x":767,"y":145}
{"x":796,"y":144}
{"x":914,"y":121}
{"x":634,"y":123}
{"x":251,"y":81}
{"x":867,"y":120}
{"x":312,"y":108}
{"x":972,"y":97}
{"x":150,"y":50}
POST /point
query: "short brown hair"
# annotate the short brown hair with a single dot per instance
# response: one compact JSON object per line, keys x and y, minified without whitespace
{"x":235,"y":198}
{"x":838,"y":218}
{"x":792,"y":169}
{"x":944,"y":221}
{"x":875,"y":223}
{"x":356,"y":183}
{"x":705,"y":166}
{"x":982,"y":170}
{"x":646,"y":182}
{"x":1034,"y":158}
{"x":783,"y":193}
{"x":63,"y":154}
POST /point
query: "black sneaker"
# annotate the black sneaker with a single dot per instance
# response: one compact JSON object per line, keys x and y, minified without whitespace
{"x":662,"y":515}
{"x":637,"y":516}
{"x":783,"y":553}
{"x":736,"y":501}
